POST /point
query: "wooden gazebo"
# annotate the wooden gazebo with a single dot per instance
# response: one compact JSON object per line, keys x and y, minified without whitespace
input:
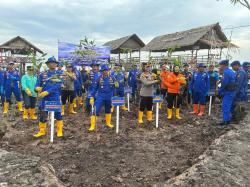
{"x":206,"y":37}
{"x":17,"y":50}
{"x":127,"y":44}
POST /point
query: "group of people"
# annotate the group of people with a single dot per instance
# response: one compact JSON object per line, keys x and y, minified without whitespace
{"x":101,"y":83}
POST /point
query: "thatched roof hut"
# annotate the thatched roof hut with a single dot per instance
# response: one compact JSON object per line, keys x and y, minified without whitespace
{"x":19,"y":45}
{"x":205,"y":37}
{"x":132,"y":42}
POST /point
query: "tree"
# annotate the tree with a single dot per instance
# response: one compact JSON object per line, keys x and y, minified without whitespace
{"x":245,"y":3}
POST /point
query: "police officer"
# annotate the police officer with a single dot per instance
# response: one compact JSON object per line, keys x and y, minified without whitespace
{"x":246,"y":67}
{"x":241,"y":81}
{"x":2,"y":85}
{"x":49,"y":87}
{"x":214,"y":78}
{"x":132,"y":79}
{"x":120,"y":78}
{"x":90,"y":83}
{"x":11,"y":85}
{"x":199,"y":87}
{"x":227,"y":91}
{"x":103,"y":92}
{"x":78,"y":87}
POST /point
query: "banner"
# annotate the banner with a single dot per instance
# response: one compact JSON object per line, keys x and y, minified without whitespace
{"x":66,"y":52}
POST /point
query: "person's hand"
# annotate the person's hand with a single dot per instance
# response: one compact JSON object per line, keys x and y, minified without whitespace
{"x":91,"y":101}
{"x":116,"y":85}
{"x":43,"y":94}
{"x":28,"y":92}
{"x":38,"y":89}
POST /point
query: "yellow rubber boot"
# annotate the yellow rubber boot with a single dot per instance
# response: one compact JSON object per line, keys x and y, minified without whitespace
{"x":140,"y":116}
{"x":108,"y":121}
{"x":63,"y":110}
{"x":149,"y":116}
{"x":124,"y":108}
{"x":32,"y":113}
{"x":79,"y":99}
{"x":71,"y":109}
{"x":25,"y":113}
{"x":20,"y":106}
{"x":92,"y":123}
{"x":74,"y":103}
{"x":170,"y":113}
{"x":177,"y":113}
{"x":112,"y":109}
{"x":59,"y":127}
{"x":42,"y":130}
{"x":5,"y":107}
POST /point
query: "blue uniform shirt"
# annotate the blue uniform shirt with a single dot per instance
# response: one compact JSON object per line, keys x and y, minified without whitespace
{"x":214,"y":77}
{"x":200,"y":83}
{"x":227,"y":82}
{"x":241,"y":82}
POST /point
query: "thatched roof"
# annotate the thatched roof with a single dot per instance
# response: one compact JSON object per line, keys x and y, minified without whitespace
{"x":132,"y":42}
{"x":19,"y":45}
{"x":198,"y":38}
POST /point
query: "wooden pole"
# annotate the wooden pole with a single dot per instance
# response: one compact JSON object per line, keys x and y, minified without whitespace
{"x":119,"y":57}
{"x":139,"y":56}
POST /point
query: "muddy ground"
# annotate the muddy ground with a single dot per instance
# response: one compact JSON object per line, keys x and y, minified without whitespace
{"x":137,"y":156}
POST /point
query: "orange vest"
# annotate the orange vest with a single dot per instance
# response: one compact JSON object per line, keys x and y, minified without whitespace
{"x":174,"y":82}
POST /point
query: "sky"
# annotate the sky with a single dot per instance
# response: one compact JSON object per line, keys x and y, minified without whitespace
{"x":44,"y":22}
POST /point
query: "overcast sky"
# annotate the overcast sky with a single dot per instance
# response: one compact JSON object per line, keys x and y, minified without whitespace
{"x":44,"y":22}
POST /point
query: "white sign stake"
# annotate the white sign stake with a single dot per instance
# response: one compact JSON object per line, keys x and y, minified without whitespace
{"x":117,"y":119}
{"x":157,"y":115}
{"x":52,"y":126}
{"x":210,"y":106}
{"x":128,"y":101}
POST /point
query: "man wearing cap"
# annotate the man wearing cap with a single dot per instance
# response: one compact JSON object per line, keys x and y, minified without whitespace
{"x":28,"y":82}
{"x":241,"y":81}
{"x":199,"y":87}
{"x":11,"y":85}
{"x":49,"y":88}
{"x":103,"y":92}
{"x":227,"y":91}
{"x":246,"y":67}
{"x":120,"y":78}
{"x":90,"y":83}
{"x":132,"y":79}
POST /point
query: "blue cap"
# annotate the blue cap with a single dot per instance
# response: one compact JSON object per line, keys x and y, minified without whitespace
{"x":52,"y":59}
{"x":236,"y":62}
{"x":201,"y":65}
{"x":246,"y":64}
{"x":224,"y":62}
{"x":104,"y":67}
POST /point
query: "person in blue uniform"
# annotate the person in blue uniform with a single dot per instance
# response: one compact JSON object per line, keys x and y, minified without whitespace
{"x":90,"y":83}
{"x":60,"y":68}
{"x":120,"y":78}
{"x":11,"y":85}
{"x":103,"y":91}
{"x":132,"y":79}
{"x":214,"y":80}
{"x":227,"y":91}
{"x":2,"y":85}
{"x":49,"y":88}
{"x":241,"y":81}
{"x":246,"y":67}
{"x":78,"y":88}
{"x":199,"y":88}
